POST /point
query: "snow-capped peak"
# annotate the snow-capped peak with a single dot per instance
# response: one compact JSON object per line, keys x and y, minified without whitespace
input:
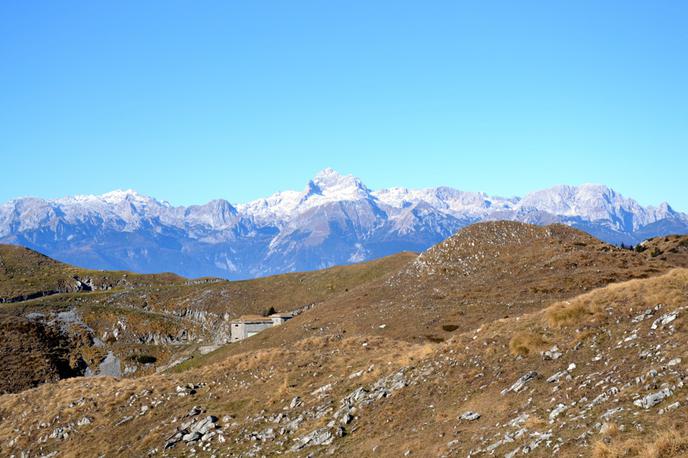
{"x":327,"y":186}
{"x":330,"y":186}
{"x":330,"y":183}
{"x":112,"y":197}
{"x":328,"y":177}
{"x":118,"y":195}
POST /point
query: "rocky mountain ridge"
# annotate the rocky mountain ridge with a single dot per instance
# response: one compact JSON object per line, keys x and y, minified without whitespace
{"x":335,"y":220}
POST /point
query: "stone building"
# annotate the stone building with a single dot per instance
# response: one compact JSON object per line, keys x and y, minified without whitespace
{"x":280,"y":318}
{"x":249,"y":325}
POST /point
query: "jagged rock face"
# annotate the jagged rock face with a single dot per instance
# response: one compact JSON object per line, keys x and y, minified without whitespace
{"x":335,"y":220}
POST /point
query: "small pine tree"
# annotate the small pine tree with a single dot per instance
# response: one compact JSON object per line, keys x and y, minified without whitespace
{"x":269,"y":311}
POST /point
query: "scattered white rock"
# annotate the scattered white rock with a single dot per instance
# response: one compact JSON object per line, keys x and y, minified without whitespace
{"x":469,"y":416}
{"x":670,"y":407}
{"x":653,"y":399}
{"x":646,"y":314}
{"x":323,"y":390}
{"x":674,"y":362}
{"x":552,"y":354}
{"x":611,"y":412}
{"x":85,"y":421}
{"x":356,"y":374}
{"x":320,"y":436}
{"x":664,"y":320}
{"x":295,"y":402}
{"x":558,"y":410}
{"x":558,"y":376}
{"x":520,"y":383}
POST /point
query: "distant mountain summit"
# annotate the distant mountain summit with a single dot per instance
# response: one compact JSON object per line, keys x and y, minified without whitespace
{"x":336,"y":219}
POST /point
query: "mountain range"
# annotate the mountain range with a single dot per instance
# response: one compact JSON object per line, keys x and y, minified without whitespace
{"x":335,"y":220}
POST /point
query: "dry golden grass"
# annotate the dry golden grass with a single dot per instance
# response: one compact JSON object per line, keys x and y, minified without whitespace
{"x":665,"y":289}
{"x":526,"y":343}
{"x":672,"y":248}
{"x":149,"y":305}
{"x":668,"y":444}
{"x":603,"y":450}
{"x":520,"y":269}
{"x":315,"y":343}
{"x":534,"y":423}
{"x":570,"y":313}
{"x":416,"y":353}
{"x":609,"y":429}
{"x":265,"y":358}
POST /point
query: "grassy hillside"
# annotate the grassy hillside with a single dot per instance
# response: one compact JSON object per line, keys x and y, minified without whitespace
{"x":507,"y":339}
{"x":284,"y":292}
{"x":26,"y":274}
{"x":485,"y":272}
{"x":587,"y":388}
{"x":671,"y":248}
{"x":146,"y":321}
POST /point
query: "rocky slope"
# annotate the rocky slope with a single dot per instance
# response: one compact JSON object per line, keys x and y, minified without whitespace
{"x":602,"y":374}
{"x":335,"y":220}
{"x":60,"y":321}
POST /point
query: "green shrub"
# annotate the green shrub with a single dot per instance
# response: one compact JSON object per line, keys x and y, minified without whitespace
{"x":143,"y":359}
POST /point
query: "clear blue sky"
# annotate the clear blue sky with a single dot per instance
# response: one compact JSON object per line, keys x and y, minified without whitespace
{"x":189,"y":101}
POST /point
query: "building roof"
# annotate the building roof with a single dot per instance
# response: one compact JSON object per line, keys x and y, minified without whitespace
{"x":252,"y":319}
{"x":282,"y":315}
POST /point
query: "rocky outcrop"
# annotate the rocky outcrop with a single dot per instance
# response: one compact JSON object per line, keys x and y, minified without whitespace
{"x":75,"y":285}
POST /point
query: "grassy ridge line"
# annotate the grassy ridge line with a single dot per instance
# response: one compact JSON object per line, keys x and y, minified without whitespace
{"x":24,"y":272}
